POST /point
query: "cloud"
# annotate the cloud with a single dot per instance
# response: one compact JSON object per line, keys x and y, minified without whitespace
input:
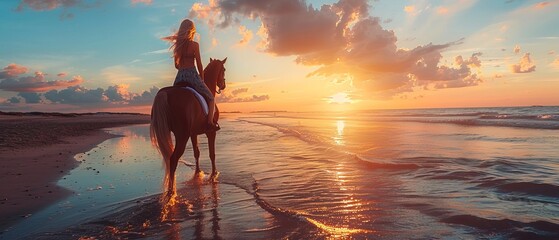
{"x":214,"y":42}
{"x":30,"y":97}
{"x":291,"y":27}
{"x":427,"y":70}
{"x":442,"y":10}
{"x":48,"y":5}
{"x":525,"y":66}
{"x":542,"y":5}
{"x":12,"y":70}
{"x":233,"y":96}
{"x":454,"y":7}
{"x":147,"y":2}
{"x":13,"y":100}
{"x":341,"y":38}
{"x":245,"y":34}
{"x":113,"y":95}
{"x":516,"y":49}
{"x":77,"y":95}
{"x":45,"y":5}
{"x":36,"y":83}
{"x":160,"y":51}
{"x":239,"y":90}
{"x":117,"y":93}
{"x":209,"y":12}
{"x":146,"y":98}
{"x":410,"y":9}
{"x":36,"y":89}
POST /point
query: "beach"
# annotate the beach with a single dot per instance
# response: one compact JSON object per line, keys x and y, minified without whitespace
{"x":389,"y":174}
{"x":36,"y":150}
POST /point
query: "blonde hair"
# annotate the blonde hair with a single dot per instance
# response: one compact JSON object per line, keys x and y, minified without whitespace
{"x":181,"y":38}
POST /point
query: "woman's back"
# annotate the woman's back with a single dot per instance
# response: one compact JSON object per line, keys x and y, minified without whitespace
{"x":186,"y":57}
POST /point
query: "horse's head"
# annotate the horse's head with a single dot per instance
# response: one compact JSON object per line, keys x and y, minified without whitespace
{"x":220,"y":68}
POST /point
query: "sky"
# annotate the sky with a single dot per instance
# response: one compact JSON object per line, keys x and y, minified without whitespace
{"x":282,"y":55}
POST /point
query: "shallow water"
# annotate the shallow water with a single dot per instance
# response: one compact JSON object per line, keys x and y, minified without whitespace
{"x":447,"y":173}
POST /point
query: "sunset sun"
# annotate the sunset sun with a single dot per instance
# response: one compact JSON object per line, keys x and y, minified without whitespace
{"x":339,"y":98}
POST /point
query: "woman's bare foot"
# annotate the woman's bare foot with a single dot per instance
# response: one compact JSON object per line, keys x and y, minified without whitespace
{"x":212,"y":127}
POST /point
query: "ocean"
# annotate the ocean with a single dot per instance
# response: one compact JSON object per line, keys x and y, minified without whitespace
{"x":461,"y":173}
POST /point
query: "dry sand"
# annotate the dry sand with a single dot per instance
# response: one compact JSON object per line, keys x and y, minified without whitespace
{"x":36,"y":150}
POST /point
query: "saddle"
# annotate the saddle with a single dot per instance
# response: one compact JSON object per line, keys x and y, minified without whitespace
{"x":201,"y":99}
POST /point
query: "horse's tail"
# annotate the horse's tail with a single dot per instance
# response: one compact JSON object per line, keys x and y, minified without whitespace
{"x":159,"y":129}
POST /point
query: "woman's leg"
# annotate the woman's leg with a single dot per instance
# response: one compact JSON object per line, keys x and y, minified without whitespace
{"x":211,"y":125}
{"x":211,"y":114}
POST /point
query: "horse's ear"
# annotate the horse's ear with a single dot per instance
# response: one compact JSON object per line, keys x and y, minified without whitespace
{"x":224,"y":60}
{"x":211,"y":59}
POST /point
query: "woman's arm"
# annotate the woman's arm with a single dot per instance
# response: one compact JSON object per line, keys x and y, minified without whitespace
{"x":199,"y":61}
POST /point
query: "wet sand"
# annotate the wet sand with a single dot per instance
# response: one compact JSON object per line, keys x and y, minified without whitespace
{"x":38,"y":149}
{"x":117,"y":192}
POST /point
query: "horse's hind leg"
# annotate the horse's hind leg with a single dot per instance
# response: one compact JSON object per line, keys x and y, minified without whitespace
{"x":196,"y":151}
{"x":177,"y":153}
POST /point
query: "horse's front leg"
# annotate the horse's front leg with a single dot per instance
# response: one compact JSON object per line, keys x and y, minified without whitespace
{"x":211,"y":146}
{"x":196,"y":151}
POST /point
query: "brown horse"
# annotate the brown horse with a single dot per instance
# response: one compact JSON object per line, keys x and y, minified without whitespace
{"x":178,"y":111}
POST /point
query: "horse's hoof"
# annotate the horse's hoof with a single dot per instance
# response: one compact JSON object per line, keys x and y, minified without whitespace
{"x":213,"y":177}
{"x":166,"y":198}
{"x":170,"y":193}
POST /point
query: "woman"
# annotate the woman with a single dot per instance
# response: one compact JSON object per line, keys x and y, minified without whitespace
{"x":185,"y":52}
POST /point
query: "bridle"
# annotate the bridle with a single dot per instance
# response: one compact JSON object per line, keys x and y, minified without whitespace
{"x":218,"y":88}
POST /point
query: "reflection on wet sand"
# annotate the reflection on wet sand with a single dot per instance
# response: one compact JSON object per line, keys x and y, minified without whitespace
{"x":198,"y":200}
{"x":191,"y":213}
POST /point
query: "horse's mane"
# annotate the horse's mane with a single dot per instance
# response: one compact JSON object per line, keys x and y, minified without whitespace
{"x":210,"y":72}
{"x":211,"y":68}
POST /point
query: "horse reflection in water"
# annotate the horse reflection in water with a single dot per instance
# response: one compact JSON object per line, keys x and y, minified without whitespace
{"x":193,"y":212}
{"x":179,"y":212}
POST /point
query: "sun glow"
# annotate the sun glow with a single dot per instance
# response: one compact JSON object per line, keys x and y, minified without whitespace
{"x":339,"y":98}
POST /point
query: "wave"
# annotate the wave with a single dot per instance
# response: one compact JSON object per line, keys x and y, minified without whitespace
{"x":300,"y":217}
{"x":459,"y":175}
{"x":493,"y":122}
{"x":548,"y":117}
{"x":516,"y":229}
{"x":529,"y":188}
{"x":391,"y":165}
{"x":520,"y":117}
{"x":465,"y":114}
{"x":542,"y":189}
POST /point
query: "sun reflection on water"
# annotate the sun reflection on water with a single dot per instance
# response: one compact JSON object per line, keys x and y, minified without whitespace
{"x":339,"y":137}
{"x":338,"y":232}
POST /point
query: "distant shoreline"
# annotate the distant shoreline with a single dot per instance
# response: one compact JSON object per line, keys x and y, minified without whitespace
{"x":37,"y":149}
